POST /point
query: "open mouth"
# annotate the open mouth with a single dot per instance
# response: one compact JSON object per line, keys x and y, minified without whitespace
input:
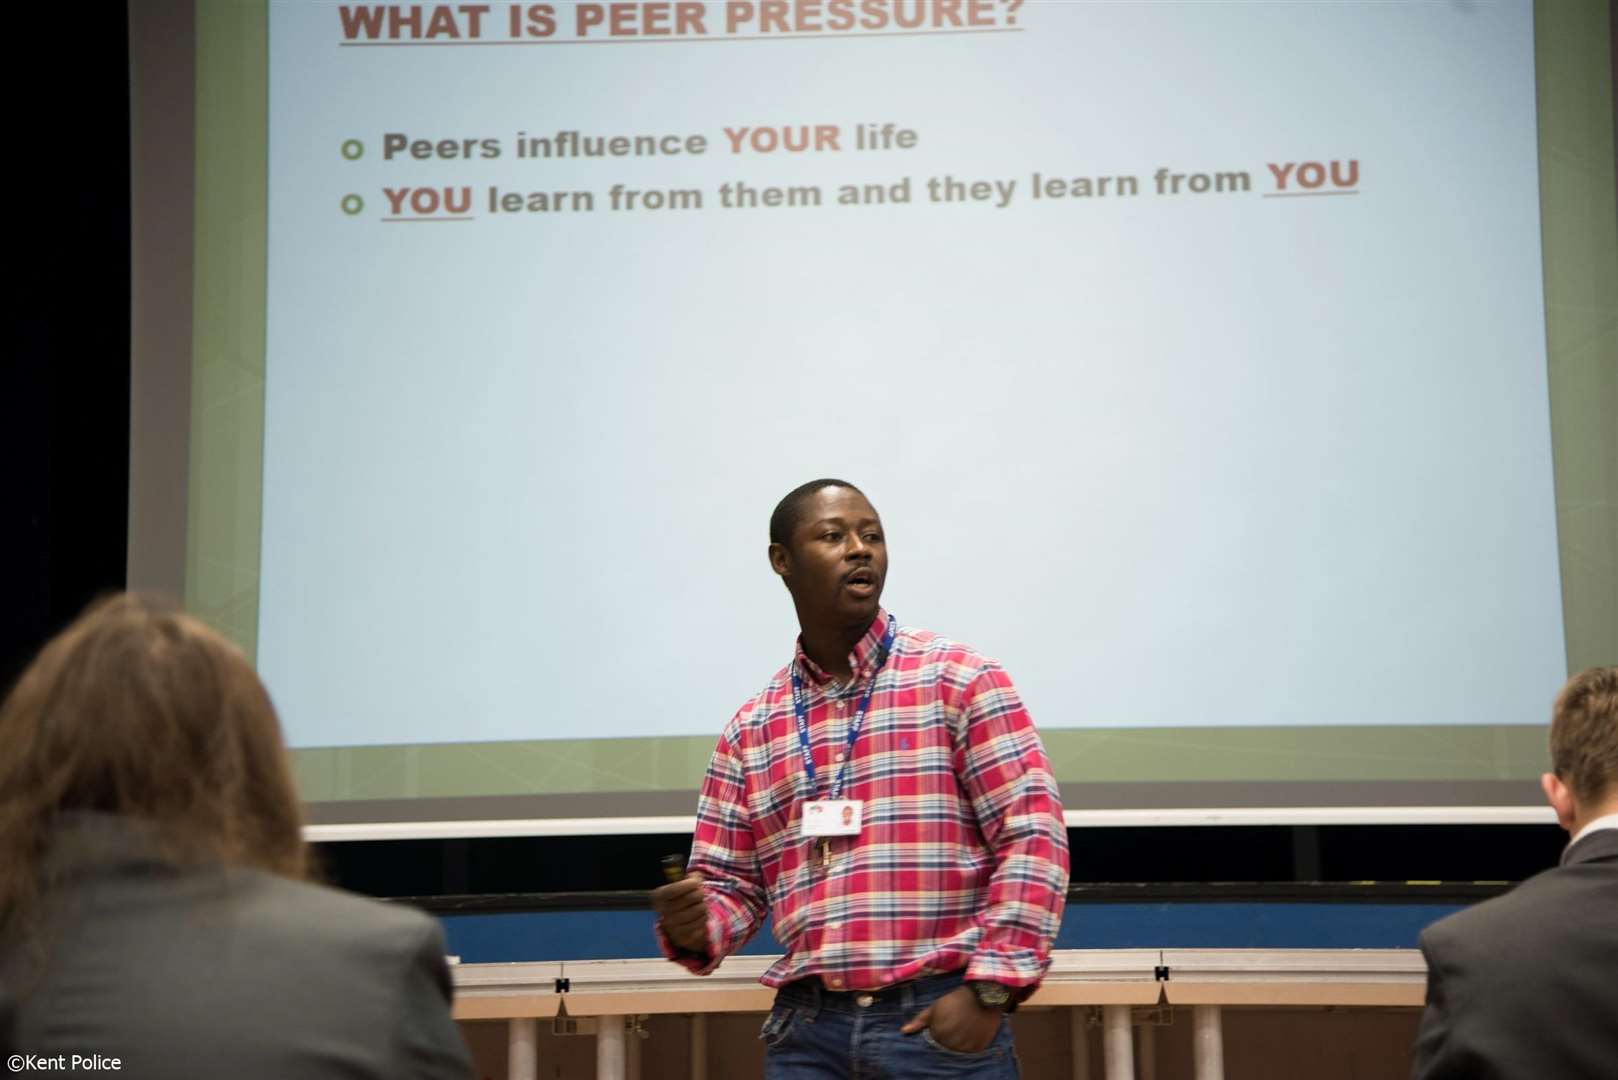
{"x":860,"y":582}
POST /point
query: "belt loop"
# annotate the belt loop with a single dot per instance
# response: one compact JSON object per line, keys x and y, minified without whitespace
{"x":907,"y":999}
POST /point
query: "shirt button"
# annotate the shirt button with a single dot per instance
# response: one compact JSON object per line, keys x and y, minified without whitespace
{"x":835,"y":924}
{"x":836,"y":983}
{"x":839,"y":757}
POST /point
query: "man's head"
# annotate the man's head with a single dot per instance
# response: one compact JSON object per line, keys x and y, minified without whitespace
{"x":1583,"y":781}
{"x":826,"y":542}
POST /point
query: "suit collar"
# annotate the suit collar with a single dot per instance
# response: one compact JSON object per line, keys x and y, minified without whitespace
{"x":85,"y":841}
{"x":1600,"y":845}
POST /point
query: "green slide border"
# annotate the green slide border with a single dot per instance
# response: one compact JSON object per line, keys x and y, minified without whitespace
{"x":225,"y":488}
{"x":1580,"y":222}
{"x":1579,"y":216}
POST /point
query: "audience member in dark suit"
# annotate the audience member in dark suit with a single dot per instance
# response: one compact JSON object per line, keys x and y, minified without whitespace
{"x":152,"y":907}
{"x":1526,"y":985}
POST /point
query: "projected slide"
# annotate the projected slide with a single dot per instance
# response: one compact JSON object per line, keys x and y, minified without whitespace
{"x":1192,"y":353}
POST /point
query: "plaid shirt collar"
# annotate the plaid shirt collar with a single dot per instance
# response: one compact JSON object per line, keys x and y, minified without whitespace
{"x":860,"y":660}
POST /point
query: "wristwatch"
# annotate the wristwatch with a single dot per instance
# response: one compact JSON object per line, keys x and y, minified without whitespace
{"x":993,"y":995}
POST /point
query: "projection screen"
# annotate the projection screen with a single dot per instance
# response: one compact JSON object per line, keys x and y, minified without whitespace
{"x":1224,"y":370}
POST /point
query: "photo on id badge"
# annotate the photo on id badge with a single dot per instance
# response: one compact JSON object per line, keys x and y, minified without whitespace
{"x":831,"y":817}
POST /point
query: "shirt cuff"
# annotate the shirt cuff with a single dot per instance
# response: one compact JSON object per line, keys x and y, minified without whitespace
{"x":719,"y":944}
{"x":1020,"y":971}
{"x":696,"y":963}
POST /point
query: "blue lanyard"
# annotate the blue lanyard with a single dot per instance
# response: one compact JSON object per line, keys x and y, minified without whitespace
{"x":801,"y":709}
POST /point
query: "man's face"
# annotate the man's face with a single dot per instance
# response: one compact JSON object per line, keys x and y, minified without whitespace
{"x":837,"y":560}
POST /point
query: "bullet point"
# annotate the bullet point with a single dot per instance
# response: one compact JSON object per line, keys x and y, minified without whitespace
{"x":353,"y":204}
{"x":353,"y":149}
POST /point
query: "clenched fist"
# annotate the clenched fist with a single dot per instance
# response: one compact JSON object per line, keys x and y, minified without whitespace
{"x":683,"y":913}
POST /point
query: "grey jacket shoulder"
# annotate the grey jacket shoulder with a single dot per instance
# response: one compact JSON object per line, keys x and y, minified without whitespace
{"x":214,"y":971}
{"x":1521,"y":985}
{"x":310,"y":919}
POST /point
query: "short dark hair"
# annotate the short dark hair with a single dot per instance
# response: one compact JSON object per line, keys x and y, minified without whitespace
{"x":1584,"y":734}
{"x":789,"y":511}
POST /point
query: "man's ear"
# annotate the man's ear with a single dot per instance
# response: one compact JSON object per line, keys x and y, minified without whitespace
{"x":1560,"y":796}
{"x":780,"y":560}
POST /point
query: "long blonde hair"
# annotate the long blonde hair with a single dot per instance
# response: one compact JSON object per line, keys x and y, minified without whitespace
{"x":140,"y":710}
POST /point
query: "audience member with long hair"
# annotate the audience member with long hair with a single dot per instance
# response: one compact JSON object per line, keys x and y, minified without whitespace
{"x":154,"y":906}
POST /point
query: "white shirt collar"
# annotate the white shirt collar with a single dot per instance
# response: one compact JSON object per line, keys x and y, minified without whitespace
{"x":1606,"y":821}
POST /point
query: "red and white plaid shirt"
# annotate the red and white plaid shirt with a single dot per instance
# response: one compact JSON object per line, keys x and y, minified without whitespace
{"x":962,"y":859}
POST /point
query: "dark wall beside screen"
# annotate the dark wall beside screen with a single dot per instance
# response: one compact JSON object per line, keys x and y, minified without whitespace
{"x":64,"y":391}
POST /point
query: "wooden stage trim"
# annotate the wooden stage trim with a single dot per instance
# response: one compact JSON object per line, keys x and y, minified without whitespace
{"x":1363,"y":995}
{"x":657,"y":1002}
{"x":507,"y":1007}
{"x":1366,"y":978}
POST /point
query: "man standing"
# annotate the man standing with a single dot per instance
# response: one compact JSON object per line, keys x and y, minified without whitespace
{"x":1526,"y":985}
{"x":886,"y":798}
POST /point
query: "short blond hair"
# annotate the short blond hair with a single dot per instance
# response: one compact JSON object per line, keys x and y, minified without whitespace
{"x":1584,"y":734}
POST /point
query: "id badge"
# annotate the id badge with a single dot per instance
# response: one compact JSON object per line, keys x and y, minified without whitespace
{"x":831,"y":817}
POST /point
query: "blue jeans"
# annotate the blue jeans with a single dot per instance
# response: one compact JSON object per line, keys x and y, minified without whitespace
{"x":818,"y":1034}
